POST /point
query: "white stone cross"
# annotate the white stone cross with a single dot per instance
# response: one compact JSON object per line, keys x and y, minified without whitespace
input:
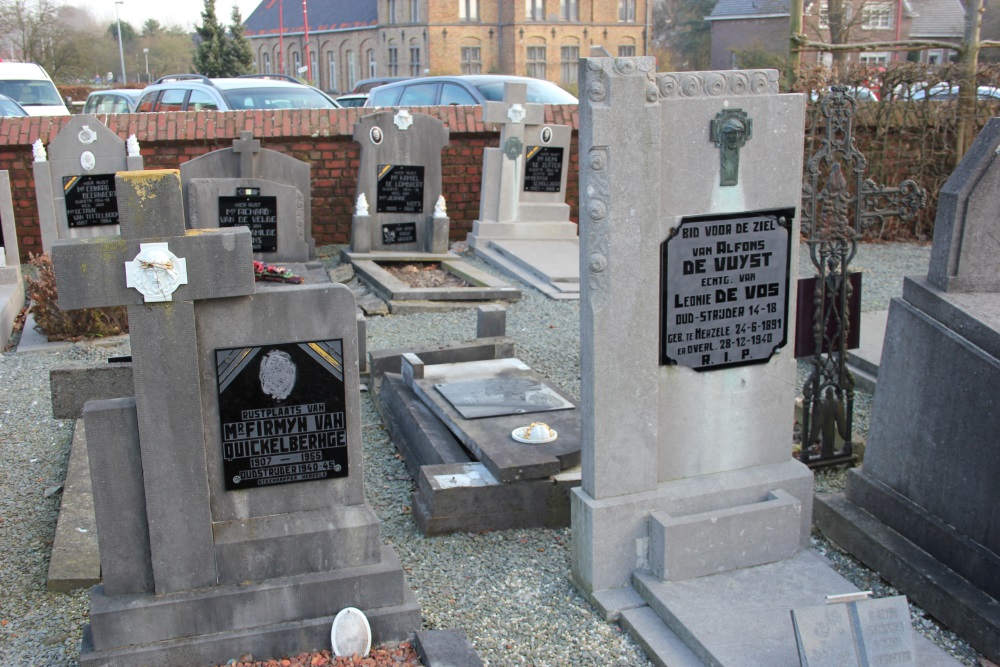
{"x":514,"y":113}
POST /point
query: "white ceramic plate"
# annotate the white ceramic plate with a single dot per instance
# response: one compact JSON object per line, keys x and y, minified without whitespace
{"x":351,"y":633}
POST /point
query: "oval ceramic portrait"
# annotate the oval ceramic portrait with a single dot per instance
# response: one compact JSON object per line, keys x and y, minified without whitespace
{"x":351,"y":633}
{"x":376,"y":135}
{"x":546,"y":135}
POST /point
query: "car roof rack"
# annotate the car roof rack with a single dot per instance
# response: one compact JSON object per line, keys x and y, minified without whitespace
{"x":185,"y":77}
{"x":273,"y":77}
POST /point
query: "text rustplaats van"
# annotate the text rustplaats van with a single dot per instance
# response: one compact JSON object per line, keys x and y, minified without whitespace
{"x":31,"y":87}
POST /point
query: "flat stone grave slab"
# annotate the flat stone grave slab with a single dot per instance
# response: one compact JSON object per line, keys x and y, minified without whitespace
{"x":743,"y":617}
{"x":480,"y":285}
{"x":455,"y":491}
{"x":552,"y":266}
{"x":489,"y":439}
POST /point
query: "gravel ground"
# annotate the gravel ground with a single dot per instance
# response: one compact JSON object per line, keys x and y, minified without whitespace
{"x":509,"y":589}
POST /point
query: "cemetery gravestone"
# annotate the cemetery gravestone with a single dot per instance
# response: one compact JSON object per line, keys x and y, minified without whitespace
{"x":11,"y":286}
{"x":75,"y":180}
{"x":523,"y":224}
{"x":915,"y":510}
{"x":273,"y":470}
{"x":258,"y":188}
{"x":399,"y":184}
{"x":692,"y":516}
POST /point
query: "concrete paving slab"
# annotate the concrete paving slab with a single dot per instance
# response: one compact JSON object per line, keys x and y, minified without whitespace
{"x":567,"y":289}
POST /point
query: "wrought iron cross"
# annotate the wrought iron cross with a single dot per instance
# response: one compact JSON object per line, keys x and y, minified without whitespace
{"x":838,"y":204}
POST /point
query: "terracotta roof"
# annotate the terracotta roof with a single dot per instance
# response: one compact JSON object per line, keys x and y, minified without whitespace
{"x":324,"y":16}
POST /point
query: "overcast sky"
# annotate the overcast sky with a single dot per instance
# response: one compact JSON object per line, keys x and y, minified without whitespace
{"x":185,"y":13}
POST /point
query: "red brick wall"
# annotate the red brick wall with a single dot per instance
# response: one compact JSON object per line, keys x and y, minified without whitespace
{"x":322,"y":138}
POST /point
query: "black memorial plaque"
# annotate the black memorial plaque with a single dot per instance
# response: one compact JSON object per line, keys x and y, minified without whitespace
{"x":400,"y":189}
{"x":543,"y":169}
{"x":258,"y":214}
{"x":90,"y":200}
{"x":282,"y":410}
{"x":399,"y":232}
{"x":724,"y":289}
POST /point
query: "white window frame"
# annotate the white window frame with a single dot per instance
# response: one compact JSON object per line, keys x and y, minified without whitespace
{"x":626,"y":11}
{"x":569,"y":10}
{"x":877,"y":16}
{"x":331,"y":66}
{"x":569,"y":64}
{"x":468,"y":10}
{"x":391,"y":12}
{"x":414,"y":11}
{"x":352,"y":74}
{"x":265,"y":65}
{"x":626,"y":50}
{"x":536,"y":66}
{"x":471,"y":59}
{"x":415,"y":61}
{"x":874,"y":57}
{"x":534,"y":10}
{"x":393,"y":67}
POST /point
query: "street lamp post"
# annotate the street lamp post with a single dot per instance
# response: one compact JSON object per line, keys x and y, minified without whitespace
{"x":121,"y":50}
{"x":145,"y":54}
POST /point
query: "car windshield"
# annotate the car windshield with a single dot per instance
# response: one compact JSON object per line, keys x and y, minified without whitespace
{"x":539,"y":92}
{"x":277,"y":98}
{"x":9,"y":108}
{"x":33,"y":92}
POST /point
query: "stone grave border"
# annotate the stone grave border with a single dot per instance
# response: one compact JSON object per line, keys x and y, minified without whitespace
{"x":401,"y":297}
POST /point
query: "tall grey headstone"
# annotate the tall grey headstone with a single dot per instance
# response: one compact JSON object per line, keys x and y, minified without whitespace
{"x":243,"y":443}
{"x":692,"y":516}
{"x":75,"y":180}
{"x":524,"y":226}
{"x":917,"y":510}
{"x":261,"y":189}
{"x":11,"y":285}
{"x":399,"y":184}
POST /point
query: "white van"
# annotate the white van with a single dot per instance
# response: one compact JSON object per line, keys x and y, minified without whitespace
{"x":30,"y":86}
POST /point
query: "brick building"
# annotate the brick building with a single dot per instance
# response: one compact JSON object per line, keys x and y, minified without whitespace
{"x":350,"y":40}
{"x":763,"y":25}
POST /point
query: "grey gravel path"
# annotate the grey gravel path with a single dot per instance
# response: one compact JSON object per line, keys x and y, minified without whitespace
{"x":509,"y":590}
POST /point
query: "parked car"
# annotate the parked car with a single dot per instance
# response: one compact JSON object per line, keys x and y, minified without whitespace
{"x":366,"y":85}
{"x":123,"y":100}
{"x":472,"y":89}
{"x":941,"y":92}
{"x":859,"y":93}
{"x":29,"y":85}
{"x":9,"y":107}
{"x":194,"y":92}
{"x":352,"y":99}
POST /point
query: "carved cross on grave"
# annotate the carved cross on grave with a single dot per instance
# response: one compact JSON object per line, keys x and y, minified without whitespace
{"x":246,"y":147}
{"x":514,"y":113}
{"x":219,"y":263}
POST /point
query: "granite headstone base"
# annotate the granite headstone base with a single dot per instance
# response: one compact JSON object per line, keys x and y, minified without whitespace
{"x":268,"y":619}
{"x":550,"y":265}
{"x":740,"y":618}
{"x":456,"y":491}
{"x":916,"y":512}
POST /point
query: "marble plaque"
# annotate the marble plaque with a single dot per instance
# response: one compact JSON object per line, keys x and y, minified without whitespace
{"x":543,"y":168}
{"x":90,"y":200}
{"x":724,"y":290}
{"x":282,"y":413}
{"x":256,"y":213}
{"x":400,"y":189}
{"x":494,"y":397}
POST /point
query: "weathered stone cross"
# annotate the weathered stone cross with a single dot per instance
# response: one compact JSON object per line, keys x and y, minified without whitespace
{"x":219,"y":263}
{"x":246,"y":147}
{"x":515,"y":114}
